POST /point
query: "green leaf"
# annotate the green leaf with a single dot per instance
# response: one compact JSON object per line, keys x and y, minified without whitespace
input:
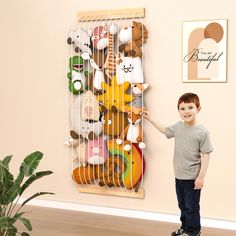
{"x":17,"y":216}
{"x":31,"y":162}
{"x":29,"y":165}
{"x":26,"y":223}
{"x":6,"y":219}
{"x":24,"y":234}
{"x":34,"y":196}
{"x":6,"y":223}
{"x":6,"y":161}
{"x":10,"y":195}
{"x":20,"y":178}
{"x":33,"y":178}
{"x":12,"y":232}
{"x":6,"y":180}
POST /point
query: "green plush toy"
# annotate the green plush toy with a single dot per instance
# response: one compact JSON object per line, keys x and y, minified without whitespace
{"x":77,"y":75}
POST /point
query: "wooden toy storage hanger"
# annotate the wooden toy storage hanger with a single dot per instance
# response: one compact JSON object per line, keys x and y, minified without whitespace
{"x":106,"y":85}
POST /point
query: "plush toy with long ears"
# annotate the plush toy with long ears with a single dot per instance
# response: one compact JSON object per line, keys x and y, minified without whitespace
{"x":81,"y":41}
{"x":98,"y":75}
{"x":133,"y":160}
{"x":114,"y":97}
{"x":132,"y":38}
{"x":77,"y":76}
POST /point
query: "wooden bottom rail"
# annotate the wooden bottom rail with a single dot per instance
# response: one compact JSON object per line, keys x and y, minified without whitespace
{"x":121,"y":192}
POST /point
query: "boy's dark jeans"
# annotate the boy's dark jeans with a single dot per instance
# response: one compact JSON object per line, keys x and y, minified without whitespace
{"x":188,"y":201}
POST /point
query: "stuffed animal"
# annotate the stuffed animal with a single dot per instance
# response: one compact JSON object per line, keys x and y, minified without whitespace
{"x":77,"y":76}
{"x":85,"y":175}
{"x":88,"y":129}
{"x":96,"y":151}
{"x":98,"y":76}
{"x":132,"y":132}
{"x":114,"y":123}
{"x":99,"y":38}
{"x":101,"y":60}
{"x":114,"y":97}
{"x":137,"y":90}
{"x":132,"y":38}
{"x":110,"y":174}
{"x":90,"y":107}
{"x":134,"y":162}
{"x":78,"y":143}
{"x":81,"y":41}
{"x":110,"y":65}
{"x":129,"y":69}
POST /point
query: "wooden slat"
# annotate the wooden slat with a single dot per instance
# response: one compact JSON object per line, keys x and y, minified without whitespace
{"x":121,"y":192}
{"x":126,"y":13}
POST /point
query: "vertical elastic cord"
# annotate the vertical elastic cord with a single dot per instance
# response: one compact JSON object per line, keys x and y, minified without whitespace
{"x":118,"y":168}
{"x":142,"y":104}
{"x":81,"y":98}
{"x":70,"y":164}
{"x":127,"y":22}
{"x":96,"y":125}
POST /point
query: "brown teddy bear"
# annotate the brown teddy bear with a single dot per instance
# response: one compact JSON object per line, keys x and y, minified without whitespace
{"x":132,"y":38}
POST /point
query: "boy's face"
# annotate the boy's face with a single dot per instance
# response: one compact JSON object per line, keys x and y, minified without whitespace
{"x":188,"y":112}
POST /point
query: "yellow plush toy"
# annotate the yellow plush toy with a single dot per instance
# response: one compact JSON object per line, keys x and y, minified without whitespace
{"x":114,"y":97}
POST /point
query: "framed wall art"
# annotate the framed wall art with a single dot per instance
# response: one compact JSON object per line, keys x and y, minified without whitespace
{"x":204,"y":55}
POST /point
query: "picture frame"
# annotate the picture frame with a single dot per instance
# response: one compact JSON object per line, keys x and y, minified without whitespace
{"x":204,"y":51}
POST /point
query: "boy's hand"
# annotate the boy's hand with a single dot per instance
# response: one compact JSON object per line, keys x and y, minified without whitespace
{"x":199,"y":182}
{"x":146,"y":115}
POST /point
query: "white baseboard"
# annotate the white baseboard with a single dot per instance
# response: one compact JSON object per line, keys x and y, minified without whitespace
{"x":146,"y":215}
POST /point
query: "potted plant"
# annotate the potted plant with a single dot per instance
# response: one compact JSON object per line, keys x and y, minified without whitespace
{"x":11,"y":189}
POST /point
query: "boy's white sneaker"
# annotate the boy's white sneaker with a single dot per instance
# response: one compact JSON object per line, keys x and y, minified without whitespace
{"x":177,"y":232}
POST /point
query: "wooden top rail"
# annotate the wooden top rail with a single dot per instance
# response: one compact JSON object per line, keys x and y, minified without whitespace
{"x":127,"y":13}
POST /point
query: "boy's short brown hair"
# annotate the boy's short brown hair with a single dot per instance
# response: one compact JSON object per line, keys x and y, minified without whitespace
{"x":189,"y":97}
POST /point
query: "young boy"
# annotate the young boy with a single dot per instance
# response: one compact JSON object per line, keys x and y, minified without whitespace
{"x":191,"y":157}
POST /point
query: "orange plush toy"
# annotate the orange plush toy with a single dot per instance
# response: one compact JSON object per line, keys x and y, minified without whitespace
{"x":133,"y":162}
{"x":133,"y":132}
{"x":132,"y":38}
{"x":114,"y":123}
{"x":114,"y":97}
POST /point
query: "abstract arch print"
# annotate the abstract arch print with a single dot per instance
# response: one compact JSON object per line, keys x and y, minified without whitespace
{"x":204,"y":51}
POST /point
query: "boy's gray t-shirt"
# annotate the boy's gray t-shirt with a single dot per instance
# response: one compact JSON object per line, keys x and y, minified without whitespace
{"x":190,"y":142}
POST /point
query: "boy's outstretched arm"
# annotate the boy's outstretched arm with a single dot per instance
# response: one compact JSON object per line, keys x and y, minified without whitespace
{"x":199,"y":181}
{"x":157,"y":125}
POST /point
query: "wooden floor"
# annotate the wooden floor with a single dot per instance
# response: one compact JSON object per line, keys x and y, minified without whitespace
{"x":55,"y":222}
